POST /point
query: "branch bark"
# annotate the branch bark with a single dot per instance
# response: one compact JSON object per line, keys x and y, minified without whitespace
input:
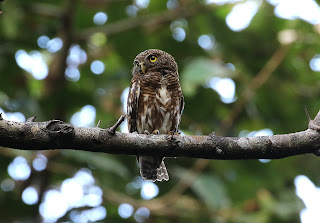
{"x":56,"y":134}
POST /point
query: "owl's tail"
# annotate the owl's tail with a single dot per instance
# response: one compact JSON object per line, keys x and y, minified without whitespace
{"x":153,"y":168}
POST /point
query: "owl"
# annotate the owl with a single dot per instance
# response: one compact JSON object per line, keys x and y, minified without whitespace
{"x":155,"y":104}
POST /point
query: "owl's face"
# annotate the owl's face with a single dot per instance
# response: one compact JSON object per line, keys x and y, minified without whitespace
{"x":153,"y":60}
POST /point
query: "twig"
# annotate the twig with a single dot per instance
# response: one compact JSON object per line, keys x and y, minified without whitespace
{"x":113,"y":129}
{"x":307,"y":112}
{"x":31,"y":119}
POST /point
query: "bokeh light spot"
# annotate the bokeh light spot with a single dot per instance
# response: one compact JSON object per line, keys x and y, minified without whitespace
{"x":97,"y":214}
{"x":315,"y":63}
{"x":76,"y":56}
{"x":206,"y":42}
{"x":78,"y":191}
{"x":32,"y":63}
{"x":19,"y":169}
{"x":72,"y":73}
{"x":72,"y":191}
{"x":231,"y":66}
{"x":241,"y":15}
{"x":172,"y":4}
{"x":142,"y":4}
{"x":40,"y":162}
{"x":132,"y":10}
{"x":307,"y":10}
{"x":84,"y":177}
{"x":30,"y":196}
{"x":125,"y":210}
{"x":54,"y":45}
{"x":7,"y":185}
{"x":221,"y":2}
{"x":225,"y":87}
{"x":100,"y":18}
{"x":149,"y":190}
{"x":124,"y":98}
{"x":13,"y":116}
{"x":54,"y":206}
{"x":142,"y":214}
{"x":43,"y":42}
{"x":97,"y":67}
{"x":84,"y":118}
{"x":179,"y":34}
{"x":310,"y":195}
{"x":98,"y":39}
{"x":287,"y":36}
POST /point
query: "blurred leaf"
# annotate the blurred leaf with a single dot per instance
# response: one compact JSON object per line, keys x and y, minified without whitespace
{"x":211,"y":190}
{"x":98,"y":160}
{"x":198,"y":71}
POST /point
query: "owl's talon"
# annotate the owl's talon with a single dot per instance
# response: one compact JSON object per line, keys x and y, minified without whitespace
{"x":146,"y":132}
{"x":156,"y":132}
{"x":171,"y":133}
{"x":176,"y":133}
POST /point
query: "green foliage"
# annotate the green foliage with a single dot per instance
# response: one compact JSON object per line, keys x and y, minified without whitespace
{"x":222,"y":191}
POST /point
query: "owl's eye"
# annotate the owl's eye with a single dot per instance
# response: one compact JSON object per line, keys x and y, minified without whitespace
{"x":153,"y":59}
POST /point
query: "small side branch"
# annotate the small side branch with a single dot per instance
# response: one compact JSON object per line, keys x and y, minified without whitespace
{"x":113,"y":129}
{"x":56,"y":134}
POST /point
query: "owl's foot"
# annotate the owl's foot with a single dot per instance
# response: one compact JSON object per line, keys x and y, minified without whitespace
{"x":156,"y":132}
{"x":176,"y":133}
{"x":173,"y":133}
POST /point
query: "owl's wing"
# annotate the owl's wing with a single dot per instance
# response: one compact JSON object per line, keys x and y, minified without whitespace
{"x":181,"y":104}
{"x":132,"y":105}
{"x":180,"y":112}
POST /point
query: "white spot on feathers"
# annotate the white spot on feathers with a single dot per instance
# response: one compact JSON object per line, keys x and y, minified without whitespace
{"x":163,"y":95}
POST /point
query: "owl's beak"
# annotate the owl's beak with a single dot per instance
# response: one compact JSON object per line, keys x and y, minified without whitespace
{"x":142,"y":67}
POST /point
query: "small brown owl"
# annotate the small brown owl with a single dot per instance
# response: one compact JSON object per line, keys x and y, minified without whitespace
{"x":155,"y":104}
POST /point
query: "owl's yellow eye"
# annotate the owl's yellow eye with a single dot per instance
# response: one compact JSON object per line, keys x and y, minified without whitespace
{"x":153,"y":59}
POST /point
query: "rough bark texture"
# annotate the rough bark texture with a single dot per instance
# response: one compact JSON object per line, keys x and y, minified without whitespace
{"x":56,"y":134}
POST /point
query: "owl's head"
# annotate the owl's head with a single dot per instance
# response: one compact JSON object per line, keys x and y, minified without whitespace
{"x":154,"y":60}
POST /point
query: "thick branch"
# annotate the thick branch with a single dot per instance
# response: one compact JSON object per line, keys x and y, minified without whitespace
{"x":56,"y":134}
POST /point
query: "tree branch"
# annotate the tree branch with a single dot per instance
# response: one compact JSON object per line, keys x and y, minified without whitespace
{"x":56,"y":134}
{"x":145,"y":20}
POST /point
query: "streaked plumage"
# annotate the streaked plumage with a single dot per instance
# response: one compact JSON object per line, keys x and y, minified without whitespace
{"x":155,"y":102}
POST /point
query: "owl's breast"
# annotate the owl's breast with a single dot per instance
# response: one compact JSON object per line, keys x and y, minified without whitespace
{"x":157,"y":110}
